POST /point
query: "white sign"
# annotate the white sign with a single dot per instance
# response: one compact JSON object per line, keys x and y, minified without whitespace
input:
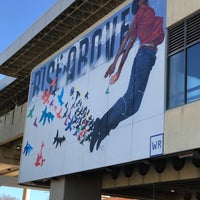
{"x":157,"y":145}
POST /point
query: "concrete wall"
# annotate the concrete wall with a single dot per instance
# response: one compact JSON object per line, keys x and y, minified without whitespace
{"x":182,"y":124}
{"x":168,"y":175}
{"x":182,"y":128}
{"x":179,"y":9}
{"x":12,"y":124}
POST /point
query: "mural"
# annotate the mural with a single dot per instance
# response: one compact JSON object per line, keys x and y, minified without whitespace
{"x":100,"y":101}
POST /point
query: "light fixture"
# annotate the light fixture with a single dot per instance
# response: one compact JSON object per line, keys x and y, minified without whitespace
{"x":18,"y":147}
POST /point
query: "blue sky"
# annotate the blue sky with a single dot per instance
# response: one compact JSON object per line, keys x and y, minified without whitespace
{"x":18,"y":193}
{"x":15,"y":18}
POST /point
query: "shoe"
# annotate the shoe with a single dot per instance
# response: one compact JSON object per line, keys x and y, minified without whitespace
{"x":102,"y":135}
{"x":98,"y":143}
{"x":97,"y":125}
{"x":93,"y":140}
{"x":95,"y":134}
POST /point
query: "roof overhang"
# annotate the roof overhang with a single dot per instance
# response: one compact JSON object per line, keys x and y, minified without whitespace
{"x":61,"y":24}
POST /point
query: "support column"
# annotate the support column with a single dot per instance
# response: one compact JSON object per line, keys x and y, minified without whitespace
{"x":83,"y":187}
{"x":26,"y":194}
{"x":57,"y":189}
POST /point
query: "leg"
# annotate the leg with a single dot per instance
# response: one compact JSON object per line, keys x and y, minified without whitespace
{"x":144,"y":61}
{"x":128,"y":104}
{"x":109,"y":121}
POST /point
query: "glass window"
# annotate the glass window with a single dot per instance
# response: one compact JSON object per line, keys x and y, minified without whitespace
{"x":176,"y":80}
{"x":193,"y":73}
{"x":184,"y":66}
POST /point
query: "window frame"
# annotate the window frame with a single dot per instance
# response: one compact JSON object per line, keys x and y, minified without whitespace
{"x":182,"y":36}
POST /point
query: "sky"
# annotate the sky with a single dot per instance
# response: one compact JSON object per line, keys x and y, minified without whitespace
{"x":15,"y":18}
{"x":18,"y":193}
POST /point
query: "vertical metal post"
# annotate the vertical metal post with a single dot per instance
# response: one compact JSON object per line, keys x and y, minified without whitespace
{"x":26,"y":194}
{"x":153,"y":191}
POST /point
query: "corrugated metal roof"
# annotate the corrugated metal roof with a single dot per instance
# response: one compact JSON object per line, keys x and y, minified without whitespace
{"x":71,"y":22}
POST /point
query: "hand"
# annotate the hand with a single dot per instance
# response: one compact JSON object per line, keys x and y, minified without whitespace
{"x":114,"y":78}
{"x":110,"y":70}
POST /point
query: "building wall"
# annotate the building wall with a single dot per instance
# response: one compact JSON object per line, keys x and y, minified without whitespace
{"x":179,"y":9}
{"x":182,"y":123}
{"x":182,"y":128}
{"x":12,"y":124}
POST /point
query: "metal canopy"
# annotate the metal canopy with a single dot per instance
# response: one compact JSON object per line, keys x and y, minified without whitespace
{"x":69,"y":24}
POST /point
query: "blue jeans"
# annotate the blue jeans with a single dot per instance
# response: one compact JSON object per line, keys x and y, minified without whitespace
{"x":130,"y":102}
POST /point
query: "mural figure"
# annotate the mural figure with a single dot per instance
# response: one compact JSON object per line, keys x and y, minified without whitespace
{"x":58,"y":140}
{"x":147,"y":27}
{"x":40,"y":159}
{"x":30,"y":115}
{"x":46,"y":115}
{"x":27,"y":149}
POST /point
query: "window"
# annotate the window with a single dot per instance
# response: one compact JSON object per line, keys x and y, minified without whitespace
{"x":193,"y":73}
{"x":184,"y":63}
{"x":176,"y":80}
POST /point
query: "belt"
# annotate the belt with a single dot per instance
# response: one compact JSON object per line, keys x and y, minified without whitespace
{"x":149,"y":45}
